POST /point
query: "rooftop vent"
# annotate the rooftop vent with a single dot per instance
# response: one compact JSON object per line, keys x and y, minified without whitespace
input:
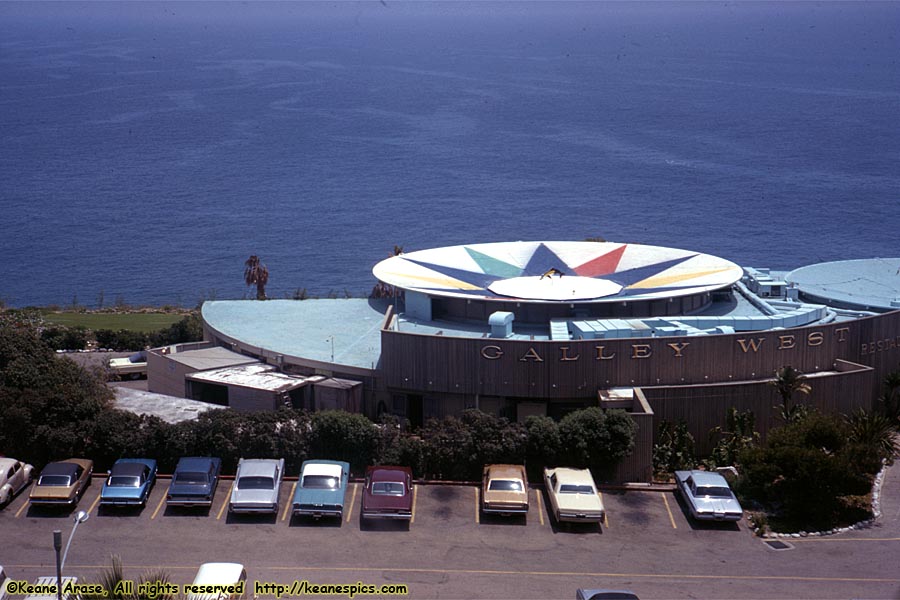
{"x":501,"y":324}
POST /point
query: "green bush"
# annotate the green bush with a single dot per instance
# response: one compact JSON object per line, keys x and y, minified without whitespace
{"x":805,"y":472}
{"x":596,"y":439}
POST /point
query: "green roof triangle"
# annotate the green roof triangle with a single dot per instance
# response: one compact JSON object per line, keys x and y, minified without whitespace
{"x":494,"y":266}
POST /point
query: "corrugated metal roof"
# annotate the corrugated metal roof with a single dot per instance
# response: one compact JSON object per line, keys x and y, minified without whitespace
{"x":256,"y":376}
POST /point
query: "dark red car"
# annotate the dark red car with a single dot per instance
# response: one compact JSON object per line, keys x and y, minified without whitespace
{"x":388,"y":493}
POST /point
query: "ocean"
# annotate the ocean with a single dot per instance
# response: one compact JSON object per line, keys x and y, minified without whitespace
{"x":148,"y":148}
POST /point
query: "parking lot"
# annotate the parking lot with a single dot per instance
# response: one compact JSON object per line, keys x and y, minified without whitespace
{"x":648,"y":545}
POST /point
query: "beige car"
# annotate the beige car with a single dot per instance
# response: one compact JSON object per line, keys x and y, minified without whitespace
{"x":573,"y":496}
{"x":62,"y":483}
{"x":504,"y":490}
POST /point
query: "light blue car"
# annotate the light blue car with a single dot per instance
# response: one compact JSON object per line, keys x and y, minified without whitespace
{"x":322,"y":489}
{"x":129,"y":482}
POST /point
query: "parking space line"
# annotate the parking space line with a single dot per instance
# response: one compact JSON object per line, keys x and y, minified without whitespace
{"x":477,"y":506}
{"x":669,"y":510}
{"x":94,"y":505}
{"x":21,"y":508}
{"x":540,"y":505}
{"x":352,"y":501}
{"x":415,"y":495}
{"x":287,"y":506}
{"x":158,"y":506}
{"x":227,"y":500}
{"x":605,"y":512}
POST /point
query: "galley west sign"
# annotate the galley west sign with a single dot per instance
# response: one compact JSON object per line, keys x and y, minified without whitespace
{"x":577,"y":368}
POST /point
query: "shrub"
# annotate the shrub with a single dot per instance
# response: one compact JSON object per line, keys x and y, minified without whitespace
{"x":596,"y":439}
{"x":675,"y":449}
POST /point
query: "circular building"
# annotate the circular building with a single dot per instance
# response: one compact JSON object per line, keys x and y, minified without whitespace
{"x":544,"y":328}
{"x":867,"y":284}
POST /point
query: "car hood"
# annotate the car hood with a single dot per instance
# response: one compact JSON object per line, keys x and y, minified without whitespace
{"x":52,"y":491}
{"x":119,"y":491}
{"x":589,"y":502}
{"x":386,"y":502}
{"x":318,"y":496}
{"x":253,"y":496}
{"x":717,"y":505}
{"x":186,"y":489}
{"x":505,"y":497}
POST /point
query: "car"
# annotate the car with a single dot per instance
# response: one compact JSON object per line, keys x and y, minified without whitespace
{"x":129,"y":482}
{"x":256,"y":486}
{"x":228,"y":580}
{"x":708,"y":496}
{"x":504,"y":490}
{"x":582,"y":594}
{"x":63,"y":482}
{"x":134,"y":366}
{"x":573,"y":495}
{"x":194,"y":481}
{"x":322,"y":489}
{"x":14,"y":477}
{"x":388,"y":493}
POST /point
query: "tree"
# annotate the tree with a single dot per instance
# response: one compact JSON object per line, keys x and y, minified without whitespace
{"x":339,"y":435}
{"x":596,"y":439}
{"x":787,"y":382}
{"x":256,"y":273}
{"x":738,"y":434}
{"x":873,"y":431}
{"x":890,"y":399}
{"x":675,"y":449}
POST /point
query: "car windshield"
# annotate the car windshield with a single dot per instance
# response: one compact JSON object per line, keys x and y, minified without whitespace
{"x":714,"y":491}
{"x":125,"y":481}
{"x":325,"y":482}
{"x":138,"y":357}
{"x":54,"y":480}
{"x":388,"y":488}
{"x":256,"y":483}
{"x":505,"y":485}
{"x":568,"y":488}
{"x":190,"y":477}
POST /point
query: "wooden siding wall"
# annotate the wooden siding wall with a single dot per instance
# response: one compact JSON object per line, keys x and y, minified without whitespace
{"x":576,"y":369}
{"x":704,"y":407}
{"x":638,"y":467}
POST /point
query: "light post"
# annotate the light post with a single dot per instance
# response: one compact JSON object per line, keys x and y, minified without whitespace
{"x":331,"y":337}
{"x":57,"y":545}
{"x":80,"y":517}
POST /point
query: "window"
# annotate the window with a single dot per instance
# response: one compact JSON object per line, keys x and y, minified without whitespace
{"x":256,"y":483}
{"x":190,"y":478}
{"x":125,"y":481}
{"x":570,"y":488}
{"x":506,"y":485}
{"x":388,"y":488}
{"x":324,"y":482}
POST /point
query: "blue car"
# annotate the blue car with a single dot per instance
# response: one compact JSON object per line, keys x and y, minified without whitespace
{"x":129,"y":482}
{"x":321,"y":489}
{"x":194,"y":481}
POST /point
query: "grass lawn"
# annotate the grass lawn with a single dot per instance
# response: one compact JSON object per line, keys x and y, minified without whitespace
{"x":142,"y":322}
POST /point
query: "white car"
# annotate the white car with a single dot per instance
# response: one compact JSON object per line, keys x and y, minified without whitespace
{"x":573,"y":496}
{"x":218,"y":581}
{"x":133,"y":367}
{"x":256,"y":486}
{"x":14,"y":477}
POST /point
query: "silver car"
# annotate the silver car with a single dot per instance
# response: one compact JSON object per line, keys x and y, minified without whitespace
{"x":256,"y":485}
{"x":708,"y":496}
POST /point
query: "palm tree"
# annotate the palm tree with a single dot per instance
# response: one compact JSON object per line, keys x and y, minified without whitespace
{"x":873,"y":430}
{"x":256,"y":273}
{"x":890,"y":399}
{"x":788,"y":381}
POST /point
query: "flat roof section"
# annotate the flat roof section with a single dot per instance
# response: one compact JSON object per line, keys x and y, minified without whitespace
{"x":210,"y":358}
{"x":867,"y":284}
{"x":349,"y":329}
{"x":255,"y":376}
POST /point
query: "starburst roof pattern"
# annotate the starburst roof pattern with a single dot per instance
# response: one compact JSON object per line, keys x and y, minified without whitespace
{"x":643,"y":272}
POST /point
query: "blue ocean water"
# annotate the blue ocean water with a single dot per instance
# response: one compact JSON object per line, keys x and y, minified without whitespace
{"x":146,"y":149}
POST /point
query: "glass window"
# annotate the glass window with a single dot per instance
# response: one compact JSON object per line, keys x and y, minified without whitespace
{"x":54,"y":480}
{"x":190,"y":478}
{"x":125,"y":481}
{"x":506,"y":485}
{"x":325,"y":482}
{"x":388,"y":488}
{"x":256,"y":483}
{"x":575,"y":489}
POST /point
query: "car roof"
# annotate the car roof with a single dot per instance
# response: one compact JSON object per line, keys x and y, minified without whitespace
{"x":60,"y":468}
{"x":388,"y":473}
{"x":218,"y":573}
{"x":505,"y":471}
{"x":257,"y":466}
{"x":190,"y":463}
{"x":708,"y":478}
{"x":574,"y":475}
{"x":128,"y":468}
